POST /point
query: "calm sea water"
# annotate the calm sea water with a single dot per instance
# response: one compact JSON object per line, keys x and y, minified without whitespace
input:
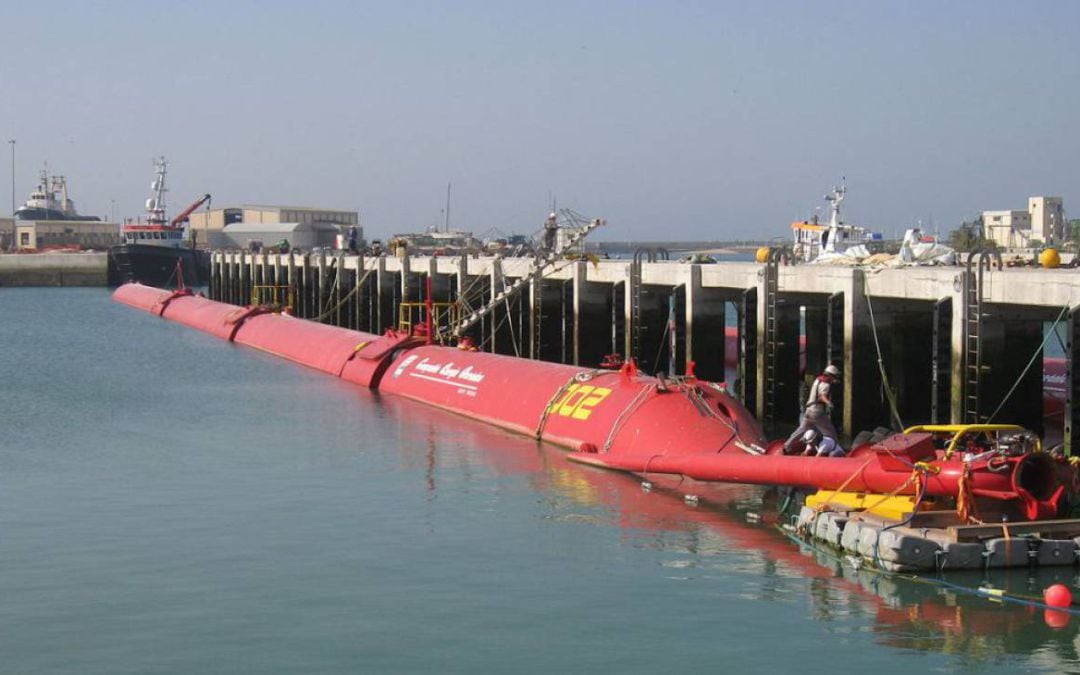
{"x":170,"y":503}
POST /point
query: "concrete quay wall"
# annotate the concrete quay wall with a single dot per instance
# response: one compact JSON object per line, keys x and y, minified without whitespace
{"x":54,"y":269}
{"x":953,"y":343}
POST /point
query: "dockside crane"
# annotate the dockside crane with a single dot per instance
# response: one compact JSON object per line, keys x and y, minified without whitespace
{"x":544,"y":263}
{"x":183,"y":216}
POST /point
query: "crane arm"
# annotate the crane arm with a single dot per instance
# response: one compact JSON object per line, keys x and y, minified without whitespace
{"x":183,"y":215}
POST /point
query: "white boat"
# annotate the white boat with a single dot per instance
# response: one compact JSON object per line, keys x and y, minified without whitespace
{"x":814,"y":240}
{"x":44,"y":204}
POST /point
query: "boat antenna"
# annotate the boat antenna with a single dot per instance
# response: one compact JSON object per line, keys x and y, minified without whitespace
{"x":446,"y":227}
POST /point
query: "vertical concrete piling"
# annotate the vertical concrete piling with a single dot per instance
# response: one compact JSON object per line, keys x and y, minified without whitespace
{"x":592,"y":307}
{"x":385,"y":285}
{"x":705,"y":317}
{"x":1071,"y":384}
{"x":865,"y":406}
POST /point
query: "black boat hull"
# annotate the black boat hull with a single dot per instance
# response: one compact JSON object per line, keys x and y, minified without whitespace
{"x":156,"y":265}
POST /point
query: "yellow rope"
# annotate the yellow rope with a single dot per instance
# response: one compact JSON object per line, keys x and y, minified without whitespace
{"x":965,"y":500}
{"x":825,"y":502}
{"x":916,"y":473}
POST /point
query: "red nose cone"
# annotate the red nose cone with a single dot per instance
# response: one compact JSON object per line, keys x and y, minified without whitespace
{"x":1058,"y":595}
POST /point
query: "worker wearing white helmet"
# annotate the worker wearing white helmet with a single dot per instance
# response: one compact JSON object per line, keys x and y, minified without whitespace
{"x":821,"y":446}
{"x":819,"y":406}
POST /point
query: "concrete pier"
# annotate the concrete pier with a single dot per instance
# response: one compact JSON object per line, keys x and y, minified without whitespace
{"x":54,"y":269}
{"x":916,"y":345}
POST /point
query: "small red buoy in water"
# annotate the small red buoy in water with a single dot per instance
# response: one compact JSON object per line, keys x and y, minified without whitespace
{"x":1056,"y":619}
{"x":1058,"y":595}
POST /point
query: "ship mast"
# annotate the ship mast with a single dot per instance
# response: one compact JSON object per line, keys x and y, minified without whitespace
{"x":834,"y":200}
{"x":155,"y":206}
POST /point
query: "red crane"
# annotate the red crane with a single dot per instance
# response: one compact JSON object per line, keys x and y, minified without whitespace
{"x":183,"y":215}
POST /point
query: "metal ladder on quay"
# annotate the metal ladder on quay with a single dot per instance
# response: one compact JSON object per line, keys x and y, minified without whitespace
{"x":637,"y":290}
{"x":973,"y":325}
{"x":536,"y":343}
{"x":771,"y":337}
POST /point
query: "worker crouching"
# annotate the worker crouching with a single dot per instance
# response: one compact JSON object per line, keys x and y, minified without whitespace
{"x":816,"y":445}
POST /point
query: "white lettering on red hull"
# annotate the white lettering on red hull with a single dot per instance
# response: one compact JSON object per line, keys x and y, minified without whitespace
{"x":465,"y":379}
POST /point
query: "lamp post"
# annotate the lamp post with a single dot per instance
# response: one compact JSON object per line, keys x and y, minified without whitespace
{"x":12,"y":143}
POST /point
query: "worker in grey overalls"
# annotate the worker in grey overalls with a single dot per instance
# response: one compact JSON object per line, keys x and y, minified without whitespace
{"x":818,"y":407}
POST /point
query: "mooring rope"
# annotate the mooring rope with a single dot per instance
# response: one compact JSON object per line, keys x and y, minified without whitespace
{"x":1031,"y":362}
{"x":880,"y":362}
{"x":635,"y":403}
{"x":345,"y":298}
{"x":825,"y":502}
{"x":583,"y":376}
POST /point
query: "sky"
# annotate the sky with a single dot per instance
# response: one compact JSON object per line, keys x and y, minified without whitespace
{"x":672,"y":120}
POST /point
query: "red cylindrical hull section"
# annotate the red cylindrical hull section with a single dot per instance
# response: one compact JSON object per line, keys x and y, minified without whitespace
{"x":316,"y":345}
{"x":332,"y":350}
{"x":139,"y":296}
{"x":602,"y":411}
{"x":211,"y":317}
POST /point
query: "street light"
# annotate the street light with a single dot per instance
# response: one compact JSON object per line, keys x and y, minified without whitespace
{"x":12,"y":143}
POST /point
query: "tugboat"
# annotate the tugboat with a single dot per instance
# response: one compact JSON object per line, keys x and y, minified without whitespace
{"x":154,"y":249}
{"x":44,"y":204}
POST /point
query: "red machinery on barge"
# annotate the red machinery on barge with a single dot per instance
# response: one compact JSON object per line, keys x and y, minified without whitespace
{"x":622,"y":419}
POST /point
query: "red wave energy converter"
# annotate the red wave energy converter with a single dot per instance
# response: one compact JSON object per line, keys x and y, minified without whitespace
{"x":617,"y":419}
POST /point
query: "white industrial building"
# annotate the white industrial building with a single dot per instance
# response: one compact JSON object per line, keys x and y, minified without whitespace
{"x":1043,"y":223}
{"x":304,"y":236}
{"x":1047,"y":219}
{"x":303,"y":226}
{"x":39,"y":235}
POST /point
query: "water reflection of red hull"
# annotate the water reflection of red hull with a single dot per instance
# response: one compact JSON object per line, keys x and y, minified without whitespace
{"x":903,"y":614}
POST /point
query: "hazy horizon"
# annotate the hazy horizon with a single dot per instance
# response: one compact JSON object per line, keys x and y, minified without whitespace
{"x":695,"y":120}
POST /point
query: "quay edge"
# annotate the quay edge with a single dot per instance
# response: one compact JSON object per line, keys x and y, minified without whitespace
{"x":54,"y":269}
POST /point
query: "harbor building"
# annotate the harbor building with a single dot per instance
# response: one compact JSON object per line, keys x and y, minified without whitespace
{"x":1042,"y":223}
{"x":209,"y":227}
{"x":1009,"y":229}
{"x":39,"y":235}
{"x":304,"y":236}
{"x":7,"y":232}
{"x":1047,"y":219}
